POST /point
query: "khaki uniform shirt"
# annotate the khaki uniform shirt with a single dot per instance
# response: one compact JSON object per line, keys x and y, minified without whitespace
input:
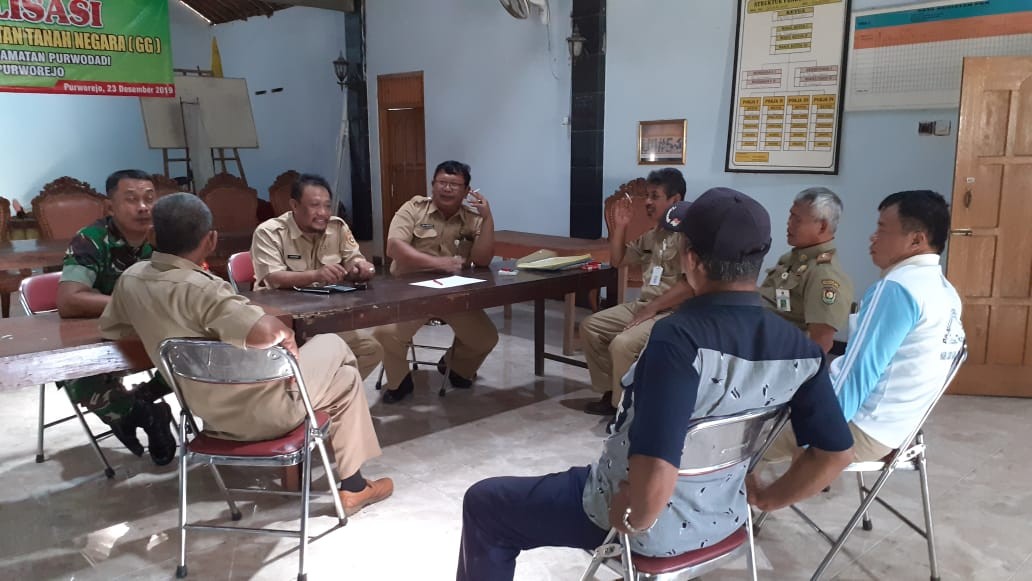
{"x":279,"y":245}
{"x":657,"y":248}
{"x":818,"y":291}
{"x":422,"y":225}
{"x":170,"y":296}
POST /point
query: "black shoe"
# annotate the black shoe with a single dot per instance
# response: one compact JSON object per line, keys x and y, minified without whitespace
{"x":153,"y":389}
{"x":457,"y":381}
{"x":157,"y":422}
{"x":404,"y":389}
{"x":602,"y":407}
{"x":125,"y":430}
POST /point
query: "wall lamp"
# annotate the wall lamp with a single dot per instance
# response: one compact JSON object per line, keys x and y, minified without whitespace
{"x":576,"y":42}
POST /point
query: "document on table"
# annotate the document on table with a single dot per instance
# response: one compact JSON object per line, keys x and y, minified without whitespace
{"x":448,"y":282}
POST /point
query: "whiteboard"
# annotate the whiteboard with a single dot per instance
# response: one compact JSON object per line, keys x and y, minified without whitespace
{"x":225,"y":109}
{"x":911,"y":57}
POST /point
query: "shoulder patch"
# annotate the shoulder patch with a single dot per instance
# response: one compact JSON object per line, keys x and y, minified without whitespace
{"x":829,"y":294}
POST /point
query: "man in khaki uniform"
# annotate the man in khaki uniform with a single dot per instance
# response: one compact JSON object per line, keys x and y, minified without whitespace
{"x":440,"y":234}
{"x":808,"y":286}
{"x":310,"y":246}
{"x":172,"y":296}
{"x":613,"y":338}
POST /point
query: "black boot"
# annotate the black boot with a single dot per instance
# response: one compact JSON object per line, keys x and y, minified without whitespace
{"x":156,"y":420}
{"x":455,"y":379}
{"x":405,"y":388}
{"x":125,"y":430}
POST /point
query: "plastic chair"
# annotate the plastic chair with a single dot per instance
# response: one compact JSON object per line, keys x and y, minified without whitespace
{"x":39,"y":295}
{"x":714,"y":444}
{"x":241,"y":271}
{"x":911,"y":456}
{"x":222,"y":366}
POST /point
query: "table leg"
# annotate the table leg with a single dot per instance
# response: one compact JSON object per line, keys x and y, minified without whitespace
{"x":569,"y":321}
{"x":507,"y":312}
{"x":539,"y":337}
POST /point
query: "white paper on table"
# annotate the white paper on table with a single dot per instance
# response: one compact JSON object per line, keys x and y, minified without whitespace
{"x":448,"y":282}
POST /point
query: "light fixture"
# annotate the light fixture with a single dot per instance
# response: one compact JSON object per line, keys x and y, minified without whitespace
{"x":576,"y":42}
{"x":340,"y":68}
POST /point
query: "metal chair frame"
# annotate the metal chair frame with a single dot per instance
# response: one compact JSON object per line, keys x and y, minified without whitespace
{"x":184,"y":358}
{"x":42,"y":423}
{"x":910,"y":457}
{"x":716,"y":443}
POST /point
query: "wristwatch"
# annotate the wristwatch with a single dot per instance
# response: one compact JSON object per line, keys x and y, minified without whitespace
{"x":627,"y":523}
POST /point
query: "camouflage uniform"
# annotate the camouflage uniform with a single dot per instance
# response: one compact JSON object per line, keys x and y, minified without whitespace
{"x":96,"y":257}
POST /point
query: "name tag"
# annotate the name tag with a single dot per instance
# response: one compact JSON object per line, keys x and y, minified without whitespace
{"x":294,"y":256}
{"x":657,"y":274}
{"x":782,"y":300}
{"x":426,"y":226}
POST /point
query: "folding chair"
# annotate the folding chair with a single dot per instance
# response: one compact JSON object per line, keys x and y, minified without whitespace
{"x":39,"y":295}
{"x":241,"y":271}
{"x":222,"y":366}
{"x":711,"y":444}
{"x":910,"y":456}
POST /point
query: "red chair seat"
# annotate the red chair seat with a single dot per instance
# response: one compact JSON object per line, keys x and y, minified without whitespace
{"x":288,"y":443}
{"x":657,"y":565}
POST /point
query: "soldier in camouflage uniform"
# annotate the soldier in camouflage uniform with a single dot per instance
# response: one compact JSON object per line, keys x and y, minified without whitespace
{"x":96,"y":257}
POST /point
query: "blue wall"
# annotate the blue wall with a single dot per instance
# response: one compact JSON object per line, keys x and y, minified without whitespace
{"x":495,"y":95}
{"x":87,"y":137}
{"x":682,"y":68}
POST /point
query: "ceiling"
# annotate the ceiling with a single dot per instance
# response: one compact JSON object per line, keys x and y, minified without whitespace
{"x":222,"y":11}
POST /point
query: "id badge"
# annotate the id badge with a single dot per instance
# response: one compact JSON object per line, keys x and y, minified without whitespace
{"x":783,"y":302}
{"x":657,"y":275}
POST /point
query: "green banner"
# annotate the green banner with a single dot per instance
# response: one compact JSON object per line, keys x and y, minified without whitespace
{"x":86,"y":47}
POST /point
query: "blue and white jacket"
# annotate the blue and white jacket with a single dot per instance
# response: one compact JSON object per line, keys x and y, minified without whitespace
{"x":901,"y":346}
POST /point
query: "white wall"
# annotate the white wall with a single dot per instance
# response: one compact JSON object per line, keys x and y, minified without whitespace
{"x":298,"y":127}
{"x":87,"y":137}
{"x":43,"y":137}
{"x":682,"y":68}
{"x":494,"y":97}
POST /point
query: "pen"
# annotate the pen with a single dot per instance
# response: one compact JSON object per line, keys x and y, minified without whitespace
{"x":628,"y":196}
{"x":437,"y":282}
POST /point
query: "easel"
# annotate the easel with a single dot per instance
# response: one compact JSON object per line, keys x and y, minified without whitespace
{"x":220,"y":157}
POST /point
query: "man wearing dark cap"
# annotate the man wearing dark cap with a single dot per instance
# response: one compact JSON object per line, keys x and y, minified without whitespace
{"x":720,"y":353}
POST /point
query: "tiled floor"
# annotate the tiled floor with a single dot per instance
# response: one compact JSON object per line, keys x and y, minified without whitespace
{"x":63,"y":520}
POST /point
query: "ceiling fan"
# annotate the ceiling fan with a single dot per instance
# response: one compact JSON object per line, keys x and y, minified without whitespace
{"x":521,"y":8}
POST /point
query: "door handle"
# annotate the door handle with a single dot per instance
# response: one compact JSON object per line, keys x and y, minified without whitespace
{"x":967,"y":198}
{"x":961,"y":232}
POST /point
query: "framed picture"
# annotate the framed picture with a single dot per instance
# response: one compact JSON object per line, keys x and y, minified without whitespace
{"x":661,"y":142}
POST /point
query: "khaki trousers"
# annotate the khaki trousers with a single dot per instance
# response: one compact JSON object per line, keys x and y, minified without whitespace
{"x":609,"y":349}
{"x":265,"y":411}
{"x":475,"y":337}
{"x":366,"y":348}
{"x":865,"y":448}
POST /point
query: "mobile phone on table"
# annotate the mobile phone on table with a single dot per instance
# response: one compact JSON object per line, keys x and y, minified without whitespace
{"x":326,"y":289}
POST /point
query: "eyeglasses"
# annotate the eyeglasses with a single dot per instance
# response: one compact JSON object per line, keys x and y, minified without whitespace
{"x":449,"y":185}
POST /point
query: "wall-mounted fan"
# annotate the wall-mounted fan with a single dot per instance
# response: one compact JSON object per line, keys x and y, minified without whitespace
{"x":521,"y":8}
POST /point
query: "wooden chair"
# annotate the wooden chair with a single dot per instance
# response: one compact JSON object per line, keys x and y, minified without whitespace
{"x":164,"y":185}
{"x":65,"y":206}
{"x":233,"y":205}
{"x":640,"y":224}
{"x":9,"y":280}
{"x":279,"y":192}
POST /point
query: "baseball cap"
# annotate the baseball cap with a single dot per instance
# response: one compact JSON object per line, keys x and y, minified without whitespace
{"x":722,"y":223}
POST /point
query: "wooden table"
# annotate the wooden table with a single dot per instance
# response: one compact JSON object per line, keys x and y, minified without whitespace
{"x":45,"y":348}
{"x":395,"y":299}
{"x":513,"y":244}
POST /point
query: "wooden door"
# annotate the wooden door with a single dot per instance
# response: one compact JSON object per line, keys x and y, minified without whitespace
{"x":402,"y":142}
{"x":990,"y":253}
